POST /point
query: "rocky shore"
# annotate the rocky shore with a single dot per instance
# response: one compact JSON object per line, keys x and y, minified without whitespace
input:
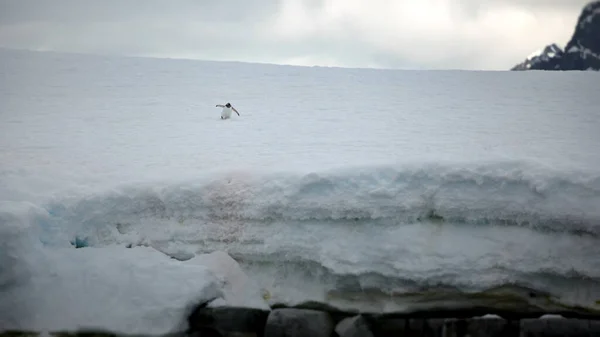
{"x":318,"y":320}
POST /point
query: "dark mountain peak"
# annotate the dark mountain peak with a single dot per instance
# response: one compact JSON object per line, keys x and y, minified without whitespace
{"x":547,"y":57}
{"x":582,"y":52}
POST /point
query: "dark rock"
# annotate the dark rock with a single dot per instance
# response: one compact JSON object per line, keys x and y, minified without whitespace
{"x":582,"y":51}
{"x":547,"y":59}
{"x":227,"y":321}
{"x":388,"y":327}
{"x":79,"y":242}
{"x":356,"y":326}
{"x":84,"y":333}
{"x":594,"y":328}
{"x":478,"y":327}
{"x":557,"y":327}
{"x":14,"y":333}
{"x":205,"y":332}
{"x":336,"y":313}
{"x":425,"y":327}
{"x":289,"y":322}
{"x":312,"y":305}
{"x":384,"y":327}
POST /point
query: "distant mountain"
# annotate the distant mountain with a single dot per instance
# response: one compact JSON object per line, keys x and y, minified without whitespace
{"x":581,"y":53}
{"x":548,"y":58}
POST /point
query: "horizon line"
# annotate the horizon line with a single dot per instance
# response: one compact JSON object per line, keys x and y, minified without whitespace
{"x":197,"y":59}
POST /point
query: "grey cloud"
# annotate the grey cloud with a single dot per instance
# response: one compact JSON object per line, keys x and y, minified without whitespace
{"x":135,"y":38}
{"x":471,"y":9}
{"x":475,"y":7}
{"x":82,"y":11}
{"x":244,"y":30}
{"x":132,"y":27}
{"x":556,"y":4}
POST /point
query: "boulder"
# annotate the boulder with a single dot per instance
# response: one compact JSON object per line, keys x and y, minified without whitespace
{"x":480,"y":327}
{"x":559,"y":327}
{"x":384,"y":327}
{"x":356,"y":326}
{"x":227,"y":321}
{"x":290,"y":322}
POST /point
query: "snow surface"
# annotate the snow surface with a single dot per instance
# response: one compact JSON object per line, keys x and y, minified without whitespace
{"x":535,"y":54}
{"x":331,"y":181}
{"x":137,"y":290}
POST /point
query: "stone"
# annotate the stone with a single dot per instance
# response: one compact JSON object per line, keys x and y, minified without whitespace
{"x":86,"y":333}
{"x":290,"y":322}
{"x":399,"y":326}
{"x":334,"y":312}
{"x":555,"y":328}
{"x":228,"y":321}
{"x":356,"y":326}
{"x":384,"y":327}
{"x":594,"y":327}
{"x":480,"y":327}
{"x":432,"y":327}
{"x":15,"y":333}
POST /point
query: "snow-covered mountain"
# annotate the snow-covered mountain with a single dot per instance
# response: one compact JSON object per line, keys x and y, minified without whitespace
{"x":549,"y":57}
{"x":582,"y":52}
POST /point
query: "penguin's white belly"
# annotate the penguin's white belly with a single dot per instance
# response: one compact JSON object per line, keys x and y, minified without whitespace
{"x":226,"y":113}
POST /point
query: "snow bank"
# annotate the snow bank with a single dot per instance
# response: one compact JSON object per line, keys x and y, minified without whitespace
{"x":137,"y":290}
{"x":239,"y":289}
{"x":19,"y":254}
{"x":164,"y":215}
{"x":15,"y":241}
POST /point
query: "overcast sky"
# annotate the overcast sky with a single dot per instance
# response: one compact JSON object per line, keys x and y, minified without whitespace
{"x":429,"y":34}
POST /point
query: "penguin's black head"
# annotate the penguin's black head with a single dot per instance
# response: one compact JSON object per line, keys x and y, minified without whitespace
{"x":228,"y":105}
